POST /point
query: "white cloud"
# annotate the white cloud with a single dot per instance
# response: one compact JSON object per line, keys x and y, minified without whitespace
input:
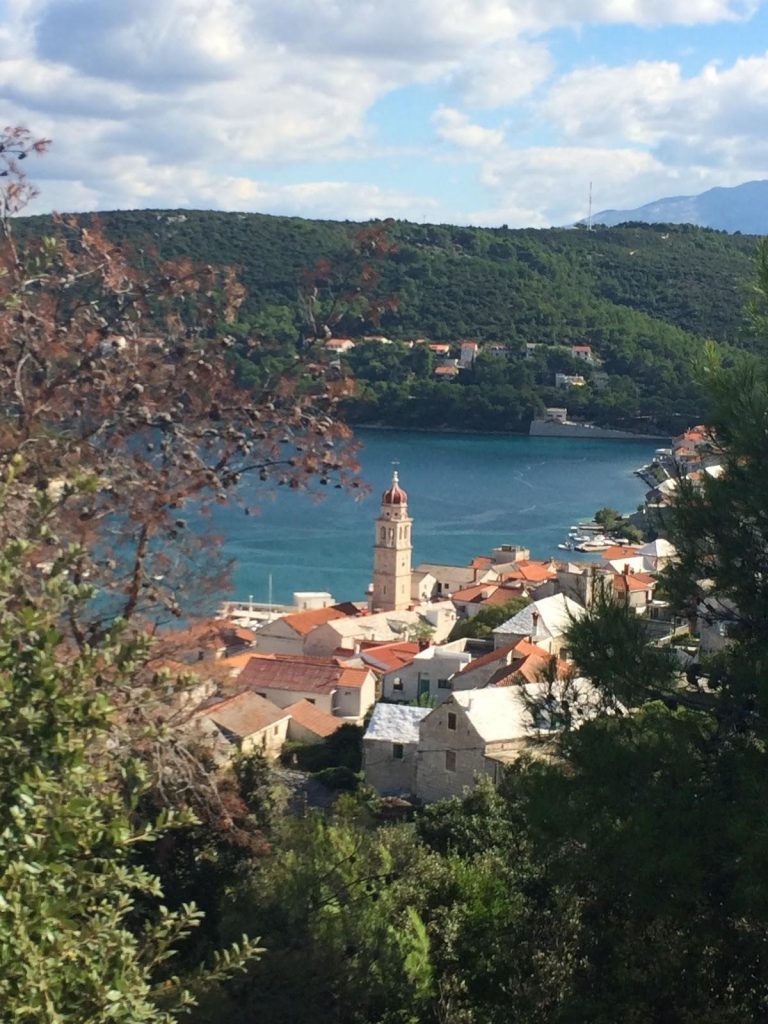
{"x":454,"y":126}
{"x":188,"y":100}
{"x":715,"y":117}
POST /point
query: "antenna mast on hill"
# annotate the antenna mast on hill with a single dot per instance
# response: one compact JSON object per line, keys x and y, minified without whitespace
{"x":589,"y":215}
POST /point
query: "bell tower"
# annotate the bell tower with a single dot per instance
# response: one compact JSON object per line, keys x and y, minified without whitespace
{"x":392,"y":552}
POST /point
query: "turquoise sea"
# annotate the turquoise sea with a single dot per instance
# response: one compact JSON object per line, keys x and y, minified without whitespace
{"x":466,"y":494}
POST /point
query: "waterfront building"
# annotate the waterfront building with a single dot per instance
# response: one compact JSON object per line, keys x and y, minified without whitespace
{"x":392,"y":552}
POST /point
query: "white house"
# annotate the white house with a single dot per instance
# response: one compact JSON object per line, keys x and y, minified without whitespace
{"x":428,"y":675}
{"x":389,"y":748}
{"x":542,"y":622}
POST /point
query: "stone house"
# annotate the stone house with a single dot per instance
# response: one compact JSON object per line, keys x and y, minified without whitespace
{"x":245,"y":722}
{"x":477,"y":732}
{"x":309,"y":723}
{"x":389,"y":748}
{"x":458,"y":739}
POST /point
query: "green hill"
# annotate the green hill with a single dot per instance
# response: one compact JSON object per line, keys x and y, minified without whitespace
{"x":644,"y":297}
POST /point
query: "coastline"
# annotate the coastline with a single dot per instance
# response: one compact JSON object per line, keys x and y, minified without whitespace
{"x":566,"y":434}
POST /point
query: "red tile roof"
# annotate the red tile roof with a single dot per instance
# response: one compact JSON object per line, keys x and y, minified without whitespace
{"x":310,"y":675}
{"x":313,"y":718}
{"x":390,"y":656}
{"x":619,"y":551}
{"x":244,"y":714}
{"x":623,"y":582}
{"x":304,"y":622}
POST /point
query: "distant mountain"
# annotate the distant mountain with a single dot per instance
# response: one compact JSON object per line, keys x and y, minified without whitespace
{"x":742,"y":208}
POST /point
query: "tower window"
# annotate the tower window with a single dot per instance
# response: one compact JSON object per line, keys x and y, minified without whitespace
{"x":450,"y":760}
{"x":397,"y":751}
{"x":452,"y":721}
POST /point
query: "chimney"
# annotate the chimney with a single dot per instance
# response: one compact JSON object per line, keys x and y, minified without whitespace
{"x":423,"y":643}
{"x":626,"y":569}
{"x":535,"y":618}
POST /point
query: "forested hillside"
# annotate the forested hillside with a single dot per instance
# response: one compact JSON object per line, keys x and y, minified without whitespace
{"x":645,"y":297}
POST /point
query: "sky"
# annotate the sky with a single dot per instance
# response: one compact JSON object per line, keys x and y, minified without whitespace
{"x":483,"y":112}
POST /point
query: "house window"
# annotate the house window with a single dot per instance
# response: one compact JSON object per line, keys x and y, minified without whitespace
{"x":450,"y":760}
{"x":452,"y":721}
{"x":275,"y":731}
{"x":397,"y":683}
{"x":444,"y":684}
{"x":397,"y":751}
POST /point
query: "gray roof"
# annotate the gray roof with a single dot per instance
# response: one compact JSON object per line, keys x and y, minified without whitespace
{"x":555,"y":616}
{"x":397,"y":723}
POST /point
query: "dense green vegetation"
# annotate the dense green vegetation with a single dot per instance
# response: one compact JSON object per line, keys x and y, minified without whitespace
{"x":643,"y":296}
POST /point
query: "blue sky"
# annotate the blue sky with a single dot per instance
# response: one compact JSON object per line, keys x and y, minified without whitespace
{"x":464,"y":111}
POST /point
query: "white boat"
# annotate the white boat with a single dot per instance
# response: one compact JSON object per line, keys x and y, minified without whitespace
{"x":598,"y":543}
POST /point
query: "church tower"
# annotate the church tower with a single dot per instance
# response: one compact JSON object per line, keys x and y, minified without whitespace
{"x":392,"y":552}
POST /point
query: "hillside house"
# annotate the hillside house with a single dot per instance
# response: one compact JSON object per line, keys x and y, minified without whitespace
{"x":428,"y":675}
{"x":288,"y":634}
{"x":449,"y":578}
{"x":246,"y":722}
{"x":468,"y":354}
{"x":389,"y":748}
{"x":583,"y":353}
{"x":287,"y":679}
{"x":350,"y":633}
{"x":543,"y":622}
{"x":520,"y":662}
{"x":476,"y":733}
{"x":310,"y":724}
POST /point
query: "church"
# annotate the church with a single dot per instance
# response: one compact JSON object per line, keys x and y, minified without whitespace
{"x":392,"y":548}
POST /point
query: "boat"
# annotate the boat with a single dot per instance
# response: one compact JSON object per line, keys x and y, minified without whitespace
{"x":598,"y":543}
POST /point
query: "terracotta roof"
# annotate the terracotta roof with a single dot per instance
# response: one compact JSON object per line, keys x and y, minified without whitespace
{"x":244,"y":714}
{"x":481,"y":562}
{"x":534,"y":571}
{"x":618,"y":551}
{"x":474,"y":592}
{"x":207,"y":633}
{"x":501,"y":654}
{"x":304,"y":622}
{"x":313,"y":718}
{"x":633,"y":581}
{"x":310,"y":675}
{"x":390,"y":656}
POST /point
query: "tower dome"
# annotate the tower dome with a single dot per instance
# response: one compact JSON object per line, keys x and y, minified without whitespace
{"x":395,"y":495}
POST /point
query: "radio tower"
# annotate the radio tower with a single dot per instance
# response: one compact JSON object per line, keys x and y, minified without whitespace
{"x":589,"y":215}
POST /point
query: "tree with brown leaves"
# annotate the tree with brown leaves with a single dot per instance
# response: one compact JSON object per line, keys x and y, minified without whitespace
{"x":119,"y":403}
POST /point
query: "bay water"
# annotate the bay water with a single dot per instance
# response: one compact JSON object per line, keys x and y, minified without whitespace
{"x":467,"y":494}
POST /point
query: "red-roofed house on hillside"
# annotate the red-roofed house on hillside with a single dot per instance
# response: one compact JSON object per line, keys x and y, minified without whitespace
{"x":339,"y":345}
{"x":518,"y":662}
{"x":245,"y":722}
{"x":288,"y":634}
{"x":468,"y":354}
{"x":634,"y":589}
{"x":335,"y":689}
{"x":207,"y":639}
{"x":428,"y":676}
{"x":470,"y":600}
{"x":583,"y":352}
{"x":309,"y":723}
